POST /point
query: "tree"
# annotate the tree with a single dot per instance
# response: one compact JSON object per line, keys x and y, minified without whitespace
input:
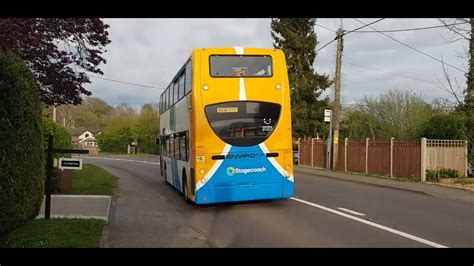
{"x":124,"y":109}
{"x":461,"y":32}
{"x":21,"y":144}
{"x":297,"y":38}
{"x":399,"y":114}
{"x":146,"y":128}
{"x":445,"y":126}
{"x":58,"y":52}
{"x":117,"y":135}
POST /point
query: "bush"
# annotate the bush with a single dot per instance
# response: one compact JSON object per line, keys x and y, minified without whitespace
{"x":116,"y":136}
{"x":436,"y":175}
{"x":445,"y":126}
{"x":21,"y":144}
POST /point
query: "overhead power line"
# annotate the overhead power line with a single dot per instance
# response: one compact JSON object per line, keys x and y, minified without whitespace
{"x":411,"y":47}
{"x":368,"y":25}
{"x":389,"y":73}
{"x":128,"y":83}
{"x":413,"y":29}
{"x":324,"y":27}
{"x":365,"y":25}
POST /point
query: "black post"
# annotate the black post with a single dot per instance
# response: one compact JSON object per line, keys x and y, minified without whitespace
{"x":49,"y":172}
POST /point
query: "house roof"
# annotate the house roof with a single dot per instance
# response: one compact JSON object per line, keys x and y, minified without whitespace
{"x":79,"y":130}
{"x":88,"y":139}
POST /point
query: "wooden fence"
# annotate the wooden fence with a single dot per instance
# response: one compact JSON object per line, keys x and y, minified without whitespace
{"x":390,"y":157}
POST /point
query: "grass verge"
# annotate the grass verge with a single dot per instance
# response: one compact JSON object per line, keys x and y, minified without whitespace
{"x":56,"y":233}
{"x":92,"y":180}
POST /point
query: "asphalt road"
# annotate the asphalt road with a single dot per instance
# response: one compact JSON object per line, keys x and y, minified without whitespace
{"x":327,"y":213}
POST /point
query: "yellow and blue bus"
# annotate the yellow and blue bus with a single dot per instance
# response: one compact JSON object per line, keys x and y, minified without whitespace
{"x":225,"y":126}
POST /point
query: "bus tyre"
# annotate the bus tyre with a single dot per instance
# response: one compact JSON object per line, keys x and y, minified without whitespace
{"x":185,"y":190}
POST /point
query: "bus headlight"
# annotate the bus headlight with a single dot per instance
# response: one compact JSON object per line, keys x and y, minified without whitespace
{"x":201,"y":171}
{"x":287,"y":167}
{"x":205,"y":87}
{"x":278,"y":86}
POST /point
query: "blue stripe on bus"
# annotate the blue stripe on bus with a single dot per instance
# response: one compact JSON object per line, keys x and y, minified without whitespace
{"x":239,"y":179}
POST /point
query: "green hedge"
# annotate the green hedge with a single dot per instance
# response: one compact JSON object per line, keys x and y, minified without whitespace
{"x":21,"y":144}
{"x":437,"y":174}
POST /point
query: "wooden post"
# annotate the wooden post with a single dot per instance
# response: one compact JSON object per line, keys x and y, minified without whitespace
{"x":465,"y":156}
{"x":345,"y":154}
{"x":49,"y":173}
{"x":299,"y":152}
{"x":366,"y":155}
{"x":423,"y":160}
{"x":391,"y":156}
{"x":337,"y":97}
{"x":312,"y":147}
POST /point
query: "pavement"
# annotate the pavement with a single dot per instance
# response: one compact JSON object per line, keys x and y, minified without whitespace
{"x":432,"y":189}
{"x":329,"y":210}
{"x":78,"y":206}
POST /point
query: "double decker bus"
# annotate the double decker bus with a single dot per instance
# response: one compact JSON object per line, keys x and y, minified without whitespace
{"x":225,"y":127}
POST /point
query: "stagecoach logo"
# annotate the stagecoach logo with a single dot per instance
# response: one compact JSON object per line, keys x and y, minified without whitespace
{"x":232,"y":171}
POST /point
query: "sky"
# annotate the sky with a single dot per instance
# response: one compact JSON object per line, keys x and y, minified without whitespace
{"x":151,"y":51}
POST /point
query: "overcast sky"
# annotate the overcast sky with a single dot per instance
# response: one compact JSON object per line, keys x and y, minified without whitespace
{"x":150,"y":51}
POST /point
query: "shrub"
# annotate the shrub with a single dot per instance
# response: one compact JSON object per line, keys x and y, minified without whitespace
{"x":116,"y":136}
{"x":437,"y":174}
{"x":21,"y":144}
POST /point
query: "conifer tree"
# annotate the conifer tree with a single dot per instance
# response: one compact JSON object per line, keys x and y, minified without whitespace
{"x":298,"y":40}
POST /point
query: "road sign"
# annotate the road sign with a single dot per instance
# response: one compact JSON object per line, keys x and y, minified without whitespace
{"x":70,"y":163}
{"x":327,"y":115}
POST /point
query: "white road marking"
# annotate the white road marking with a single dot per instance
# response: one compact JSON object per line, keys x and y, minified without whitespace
{"x":391,"y":230}
{"x":351,"y":211}
{"x":118,"y":159}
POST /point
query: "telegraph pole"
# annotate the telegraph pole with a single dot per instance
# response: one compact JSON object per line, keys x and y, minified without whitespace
{"x":337,"y":97}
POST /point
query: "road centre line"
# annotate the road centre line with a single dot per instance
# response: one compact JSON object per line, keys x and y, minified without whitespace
{"x":351,"y":211}
{"x":118,"y":159}
{"x":391,"y":230}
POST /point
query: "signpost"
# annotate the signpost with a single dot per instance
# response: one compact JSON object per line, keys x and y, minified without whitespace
{"x":64,"y":163}
{"x":328,"y":118}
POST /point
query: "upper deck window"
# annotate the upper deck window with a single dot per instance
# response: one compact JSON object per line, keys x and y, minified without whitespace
{"x":241,"y":65}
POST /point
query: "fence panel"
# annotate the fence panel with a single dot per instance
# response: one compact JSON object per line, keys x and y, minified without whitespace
{"x":379,"y":157}
{"x":356,"y":155}
{"x":319,"y":153}
{"x":340,"y":157}
{"x":305,"y":152}
{"x":446,"y":154}
{"x":406,"y":158}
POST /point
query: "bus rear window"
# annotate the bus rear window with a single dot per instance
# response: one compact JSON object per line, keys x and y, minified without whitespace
{"x":241,"y":65}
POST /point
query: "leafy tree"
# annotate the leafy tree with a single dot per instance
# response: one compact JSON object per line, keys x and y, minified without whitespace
{"x":59,"y":51}
{"x":61,"y":137}
{"x":21,"y":144}
{"x":445,"y":126}
{"x":146,"y":128}
{"x":465,"y":32}
{"x":399,"y":114}
{"x":117,"y":135}
{"x":297,"y":38}
{"x":124,"y":109}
